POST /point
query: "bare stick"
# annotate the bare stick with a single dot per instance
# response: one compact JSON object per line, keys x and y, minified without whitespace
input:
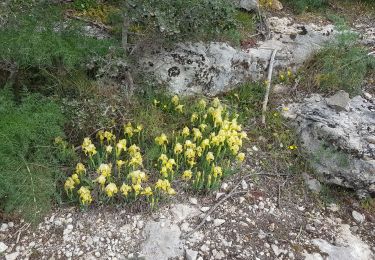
{"x":230,"y":194}
{"x":265,"y":102}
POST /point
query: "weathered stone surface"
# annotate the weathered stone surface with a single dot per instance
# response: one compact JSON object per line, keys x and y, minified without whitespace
{"x":248,"y":5}
{"x":339,"y":101}
{"x":162,"y":241}
{"x":337,"y":142}
{"x":212,"y":68}
{"x":347,"y":247}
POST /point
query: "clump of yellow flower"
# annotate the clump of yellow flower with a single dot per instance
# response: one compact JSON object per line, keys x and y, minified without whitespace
{"x":88,"y":147}
{"x":111,"y":189}
{"x":84,"y":195}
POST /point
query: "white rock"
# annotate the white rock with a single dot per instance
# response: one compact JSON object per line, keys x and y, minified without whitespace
{"x":333,"y":207}
{"x":12,"y":256}
{"x":205,"y":209}
{"x":193,"y":201}
{"x":219,"y":194}
{"x":3,"y":247}
{"x":10,"y":224}
{"x":358,"y":217}
{"x":204,"y":248}
{"x":218,"y":222}
{"x":241,"y":199}
{"x":4,"y":227}
{"x":244,"y":185}
{"x":190,"y":254}
{"x":224,"y":186}
{"x":140,"y":224}
{"x":97,"y":254}
{"x":255,"y":149}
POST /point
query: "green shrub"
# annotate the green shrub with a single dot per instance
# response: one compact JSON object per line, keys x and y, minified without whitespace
{"x":28,"y":164}
{"x":306,"y":5}
{"x":185,"y":19}
{"x":343,"y":64}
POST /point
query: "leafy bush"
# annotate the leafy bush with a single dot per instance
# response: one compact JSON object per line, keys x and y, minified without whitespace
{"x":28,"y":166}
{"x":342,"y":64}
{"x":185,"y":19}
{"x":306,"y":5}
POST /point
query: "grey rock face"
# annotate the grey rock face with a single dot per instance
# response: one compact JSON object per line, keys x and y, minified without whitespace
{"x":212,"y":68}
{"x":338,"y":141}
{"x":348,"y":247}
{"x":248,"y":5}
{"x":163,"y":241}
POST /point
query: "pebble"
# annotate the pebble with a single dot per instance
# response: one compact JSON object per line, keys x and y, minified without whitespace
{"x":193,"y":201}
{"x":244,"y":185}
{"x":4,"y":227}
{"x":190,"y":254}
{"x":241,"y":199}
{"x":358,"y":217}
{"x":333,"y":207}
{"x":204,"y":248}
{"x":224,"y":186}
{"x":3,"y":247}
{"x":219,"y":194}
{"x":97,"y":254}
{"x":255,"y":149}
{"x":205,"y":209}
{"x":12,"y":256}
{"x":218,"y":222}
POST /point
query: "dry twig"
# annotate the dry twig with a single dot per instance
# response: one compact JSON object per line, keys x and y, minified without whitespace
{"x":229,"y":195}
{"x":269,"y":78}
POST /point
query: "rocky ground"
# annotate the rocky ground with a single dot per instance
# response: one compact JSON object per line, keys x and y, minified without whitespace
{"x":268,"y":216}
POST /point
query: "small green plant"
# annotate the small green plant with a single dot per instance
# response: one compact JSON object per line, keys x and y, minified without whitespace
{"x":341,"y":65}
{"x":29,"y":163}
{"x":306,"y":5}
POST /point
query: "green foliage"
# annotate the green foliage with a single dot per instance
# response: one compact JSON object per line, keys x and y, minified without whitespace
{"x":83,"y":5}
{"x":184,"y":19}
{"x":28,"y":166}
{"x":340,"y":65}
{"x":306,"y":5}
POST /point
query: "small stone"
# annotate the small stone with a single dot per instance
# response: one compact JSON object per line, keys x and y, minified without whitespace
{"x":339,"y":101}
{"x":140,"y":224}
{"x":311,"y":183}
{"x":68,"y":254}
{"x":241,"y":199}
{"x":367,"y":95}
{"x":224,"y":186}
{"x":218,"y":222}
{"x":244,"y":185}
{"x":190,"y":254}
{"x":193,"y":201}
{"x":255,"y":149}
{"x":358,"y":217}
{"x":10,"y":224}
{"x":205,"y":209}
{"x":272,"y":227}
{"x":3,"y":247}
{"x":333,"y":207}
{"x":204,"y":248}
{"x":261,"y":205}
{"x":219,"y":194}
{"x":310,"y":228}
{"x":97,"y":254}
{"x":302,"y":208}
{"x":12,"y":256}
{"x":4,"y":227}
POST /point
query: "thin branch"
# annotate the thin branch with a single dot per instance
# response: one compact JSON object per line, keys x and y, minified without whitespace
{"x":269,"y":78}
{"x":229,"y":195}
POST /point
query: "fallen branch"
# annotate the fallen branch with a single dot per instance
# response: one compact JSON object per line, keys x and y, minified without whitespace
{"x":269,"y":78}
{"x":229,"y":195}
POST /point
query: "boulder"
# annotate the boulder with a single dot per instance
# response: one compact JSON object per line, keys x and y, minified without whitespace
{"x":216,"y":67}
{"x":247,"y":5}
{"x":338,"y":141}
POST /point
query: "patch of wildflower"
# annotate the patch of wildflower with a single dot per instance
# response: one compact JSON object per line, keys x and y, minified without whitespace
{"x":204,"y":149}
{"x":113,"y":170}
